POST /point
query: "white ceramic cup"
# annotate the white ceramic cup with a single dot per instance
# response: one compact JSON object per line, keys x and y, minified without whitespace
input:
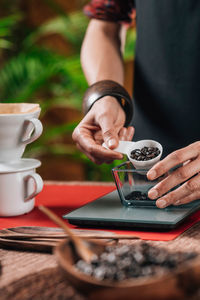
{"x":19,"y":184}
{"x":19,"y":126}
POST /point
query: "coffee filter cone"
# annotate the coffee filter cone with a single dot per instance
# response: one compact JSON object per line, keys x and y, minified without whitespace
{"x":18,"y":108}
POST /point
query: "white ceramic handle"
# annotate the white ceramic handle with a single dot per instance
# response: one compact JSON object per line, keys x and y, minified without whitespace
{"x":123,"y":146}
{"x":38,"y":185}
{"x":37,"y":131}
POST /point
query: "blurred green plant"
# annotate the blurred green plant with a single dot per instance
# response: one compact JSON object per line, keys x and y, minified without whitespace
{"x":130,"y":44}
{"x":34,"y":67}
{"x":71,"y":27}
{"x":6,"y":25}
{"x":32,"y":72}
{"x":38,"y":74}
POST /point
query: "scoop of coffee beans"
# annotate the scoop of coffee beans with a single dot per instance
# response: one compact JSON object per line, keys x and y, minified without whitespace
{"x":145,"y":153}
{"x":123,"y":262}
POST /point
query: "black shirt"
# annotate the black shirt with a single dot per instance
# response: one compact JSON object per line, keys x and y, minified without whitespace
{"x":167,"y":66}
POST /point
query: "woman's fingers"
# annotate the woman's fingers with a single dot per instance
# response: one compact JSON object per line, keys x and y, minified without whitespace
{"x":178,"y":176}
{"x":190,"y":187}
{"x":126,"y":134}
{"x":94,"y":160}
{"x":101,"y":124}
{"x":188,"y":199}
{"x":91,"y":148}
{"x":122,"y":134}
{"x":175,"y":158}
{"x":96,"y":152}
{"x":188,"y":160}
{"x":130,"y":133}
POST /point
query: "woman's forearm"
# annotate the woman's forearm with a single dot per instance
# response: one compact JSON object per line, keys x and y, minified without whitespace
{"x":100,"y":54}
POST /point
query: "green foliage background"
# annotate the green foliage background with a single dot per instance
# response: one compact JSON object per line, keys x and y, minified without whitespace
{"x":32,"y":73}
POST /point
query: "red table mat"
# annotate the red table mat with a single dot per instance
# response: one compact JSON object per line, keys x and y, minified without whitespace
{"x":65,"y":198}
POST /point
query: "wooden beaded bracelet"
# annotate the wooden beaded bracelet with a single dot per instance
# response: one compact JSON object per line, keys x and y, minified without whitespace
{"x":104,"y":88}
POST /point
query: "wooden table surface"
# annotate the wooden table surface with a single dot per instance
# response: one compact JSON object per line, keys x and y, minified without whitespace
{"x":29,"y":275}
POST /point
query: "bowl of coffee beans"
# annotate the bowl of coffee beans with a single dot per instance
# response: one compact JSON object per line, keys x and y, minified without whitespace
{"x":131,"y":272}
{"x":133,"y":185}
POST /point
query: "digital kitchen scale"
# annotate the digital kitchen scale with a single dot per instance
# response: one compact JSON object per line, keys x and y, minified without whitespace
{"x":108,"y":211}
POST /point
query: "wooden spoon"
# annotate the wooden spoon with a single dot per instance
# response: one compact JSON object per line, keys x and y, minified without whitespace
{"x":82,"y":246}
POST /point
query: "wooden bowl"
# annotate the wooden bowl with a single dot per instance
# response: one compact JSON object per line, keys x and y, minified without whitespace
{"x":177,"y":284}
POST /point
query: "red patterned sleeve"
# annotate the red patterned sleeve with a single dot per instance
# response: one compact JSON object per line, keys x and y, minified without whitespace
{"x":110,"y":10}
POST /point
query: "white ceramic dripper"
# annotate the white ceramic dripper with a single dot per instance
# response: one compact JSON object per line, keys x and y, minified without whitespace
{"x":126,"y":147}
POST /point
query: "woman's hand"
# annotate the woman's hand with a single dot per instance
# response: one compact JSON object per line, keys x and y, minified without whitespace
{"x":187,"y":175}
{"x":103,"y":123}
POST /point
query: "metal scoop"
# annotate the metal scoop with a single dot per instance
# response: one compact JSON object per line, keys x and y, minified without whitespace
{"x":126,"y":147}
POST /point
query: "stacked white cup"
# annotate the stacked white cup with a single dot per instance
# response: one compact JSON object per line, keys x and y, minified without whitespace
{"x":19,"y":182}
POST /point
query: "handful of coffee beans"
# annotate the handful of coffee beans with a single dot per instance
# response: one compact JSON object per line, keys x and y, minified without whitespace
{"x":123,"y":262}
{"x":145,"y":153}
